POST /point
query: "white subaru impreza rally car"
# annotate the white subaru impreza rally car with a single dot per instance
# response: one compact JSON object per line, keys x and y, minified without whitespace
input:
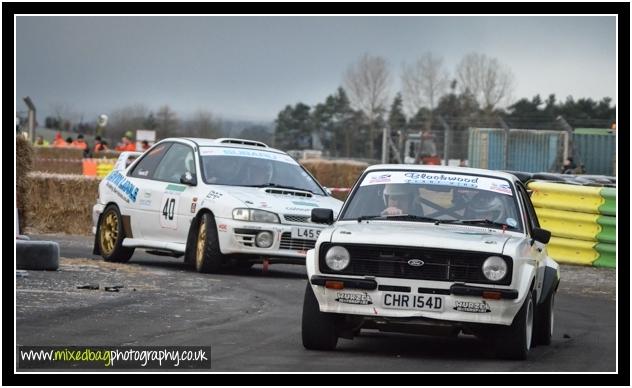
{"x":218,"y":202}
{"x":432,"y":250}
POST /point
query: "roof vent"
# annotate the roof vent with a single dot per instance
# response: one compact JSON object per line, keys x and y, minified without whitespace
{"x":242,"y":142}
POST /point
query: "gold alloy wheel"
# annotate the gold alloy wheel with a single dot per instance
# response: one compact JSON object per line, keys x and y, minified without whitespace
{"x":109,"y":233}
{"x":199,"y":252}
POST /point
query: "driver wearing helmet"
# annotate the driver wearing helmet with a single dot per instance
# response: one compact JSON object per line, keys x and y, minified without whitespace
{"x":398,"y":199}
{"x":260,"y":172}
{"x":488,"y":206}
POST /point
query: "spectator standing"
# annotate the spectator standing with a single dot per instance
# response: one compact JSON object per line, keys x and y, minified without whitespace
{"x":99,"y":145}
{"x":40,"y":142}
{"x":126,"y":144}
{"x":82,"y":145}
{"x":59,"y":141}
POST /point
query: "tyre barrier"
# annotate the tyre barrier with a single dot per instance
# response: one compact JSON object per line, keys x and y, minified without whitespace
{"x":37,"y":255}
{"x":581,"y":219}
{"x":98,"y":167}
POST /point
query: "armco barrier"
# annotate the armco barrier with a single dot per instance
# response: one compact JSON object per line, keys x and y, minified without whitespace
{"x":582,"y":221}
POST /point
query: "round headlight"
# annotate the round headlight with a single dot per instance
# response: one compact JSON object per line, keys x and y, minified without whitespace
{"x":264,"y":239}
{"x":494,"y":268}
{"x":337,"y":258}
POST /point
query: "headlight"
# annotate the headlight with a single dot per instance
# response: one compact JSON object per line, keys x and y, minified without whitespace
{"x":337,"y":258}
{"x":494,"y":268}
{"x":244,"y":214}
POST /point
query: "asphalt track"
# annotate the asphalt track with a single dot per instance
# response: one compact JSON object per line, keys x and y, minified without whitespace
{"x":251,"y":319}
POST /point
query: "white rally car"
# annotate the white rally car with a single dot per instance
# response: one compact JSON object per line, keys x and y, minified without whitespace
{"x":432,"y":250}
{"x":219,"y":202}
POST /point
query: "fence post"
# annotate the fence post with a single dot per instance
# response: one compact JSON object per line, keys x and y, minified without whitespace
{"x":568,"y":144}
{"x":385,"y":138}
{"x":505,"y":142}
{"x":447,"y":133}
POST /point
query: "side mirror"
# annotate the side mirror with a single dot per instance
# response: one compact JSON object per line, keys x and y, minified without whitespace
{"x":323,"y":216}
{"x":327,"y":190}
{"x":188,"y":179}
{"x":541,"y":235}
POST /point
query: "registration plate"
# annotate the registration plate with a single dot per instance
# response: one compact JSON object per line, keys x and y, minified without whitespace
{"x":412,"y":301}
{"x":305,"y":233}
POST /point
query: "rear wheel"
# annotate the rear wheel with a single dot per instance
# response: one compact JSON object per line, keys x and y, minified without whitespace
{"x":208,"y":257}
{"x":319,"y":330}
{"x":110,"y":236}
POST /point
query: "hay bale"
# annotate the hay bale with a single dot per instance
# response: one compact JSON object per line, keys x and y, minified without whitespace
{"x":335,"y":173}
{"x":109,"y":154}
{"x":23,"y":165}
{"x":58,"y":160}
{"x":61,"y":203}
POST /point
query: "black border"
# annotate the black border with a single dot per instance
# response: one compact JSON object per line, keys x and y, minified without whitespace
{"x":622,"y":9}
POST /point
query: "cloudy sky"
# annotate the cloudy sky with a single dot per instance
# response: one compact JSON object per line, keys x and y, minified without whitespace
{"x":252,"y":67}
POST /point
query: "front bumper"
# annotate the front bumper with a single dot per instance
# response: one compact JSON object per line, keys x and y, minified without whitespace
{"x":382,"y":297}
{"x":238,"y":237}
{"x":96,"y":213}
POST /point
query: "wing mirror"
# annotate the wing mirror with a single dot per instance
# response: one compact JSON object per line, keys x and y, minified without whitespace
{"x":323,"y":216}
{"x":541,"y":235}
{"x":188,"y":179}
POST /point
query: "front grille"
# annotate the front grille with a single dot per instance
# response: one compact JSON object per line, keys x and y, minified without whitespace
{"x":297,"y":218}
{"x":439,"y":264}
{"x":295,"y":244}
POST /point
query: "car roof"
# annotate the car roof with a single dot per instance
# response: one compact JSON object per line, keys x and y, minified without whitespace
{"x":446,"y":169}
{"x":226,"y":142}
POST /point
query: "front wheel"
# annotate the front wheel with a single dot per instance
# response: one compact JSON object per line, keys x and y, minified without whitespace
{"x":208,"y":257}
{"x":514,"y":342}
{"x":110,"y":236}
{"x":544,"y":320}
{"x":319,"y":330}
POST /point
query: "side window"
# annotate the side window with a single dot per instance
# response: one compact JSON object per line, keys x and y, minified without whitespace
{"x":526,"y":200}
{"x":178,"y":160}
{"x":147,"y":165}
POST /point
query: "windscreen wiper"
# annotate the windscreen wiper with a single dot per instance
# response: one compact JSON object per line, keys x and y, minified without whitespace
{"x":483,"y":221}
{"x":404,"y":217}
{"x":275,"y":185}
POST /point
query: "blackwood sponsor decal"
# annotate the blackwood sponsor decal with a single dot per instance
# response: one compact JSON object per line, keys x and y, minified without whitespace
{"x":472,"y":307}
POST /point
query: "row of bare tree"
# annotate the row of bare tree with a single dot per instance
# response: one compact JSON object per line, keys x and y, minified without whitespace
{"x":368,"y":83}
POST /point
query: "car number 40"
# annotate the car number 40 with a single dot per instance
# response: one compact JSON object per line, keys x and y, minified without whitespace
{"x":168,"y":208}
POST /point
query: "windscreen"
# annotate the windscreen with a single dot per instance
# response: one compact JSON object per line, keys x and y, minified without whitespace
{"x":428,"y":196}
{"x":254,"y":168}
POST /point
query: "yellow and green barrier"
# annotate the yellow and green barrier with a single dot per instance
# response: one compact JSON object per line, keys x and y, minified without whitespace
{"x":582,"y":221}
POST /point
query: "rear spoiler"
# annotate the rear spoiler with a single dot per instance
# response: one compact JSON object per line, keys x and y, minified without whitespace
{"x":125,"y":159}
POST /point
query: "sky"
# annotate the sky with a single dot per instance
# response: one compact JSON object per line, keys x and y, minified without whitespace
{"x":250,"y":68}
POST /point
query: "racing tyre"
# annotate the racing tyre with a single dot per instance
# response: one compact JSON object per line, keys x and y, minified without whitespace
{"x":544,"y":320}
{"x":515,"y":341}
{"x":110,"y":236}
{"x":319,"y":330}
{"x":208,"y":257}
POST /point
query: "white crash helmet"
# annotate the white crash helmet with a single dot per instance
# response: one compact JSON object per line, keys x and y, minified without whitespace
{"x":486,"y":205}
{"x":397,"y":189}
{"x":260,"y":170}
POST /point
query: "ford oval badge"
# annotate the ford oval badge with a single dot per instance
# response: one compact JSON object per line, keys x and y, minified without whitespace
{"x":415,"y":262}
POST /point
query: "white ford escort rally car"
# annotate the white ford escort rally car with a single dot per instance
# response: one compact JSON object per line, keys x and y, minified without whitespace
{"x":432,"y":250}
{"x":218,"y":202}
